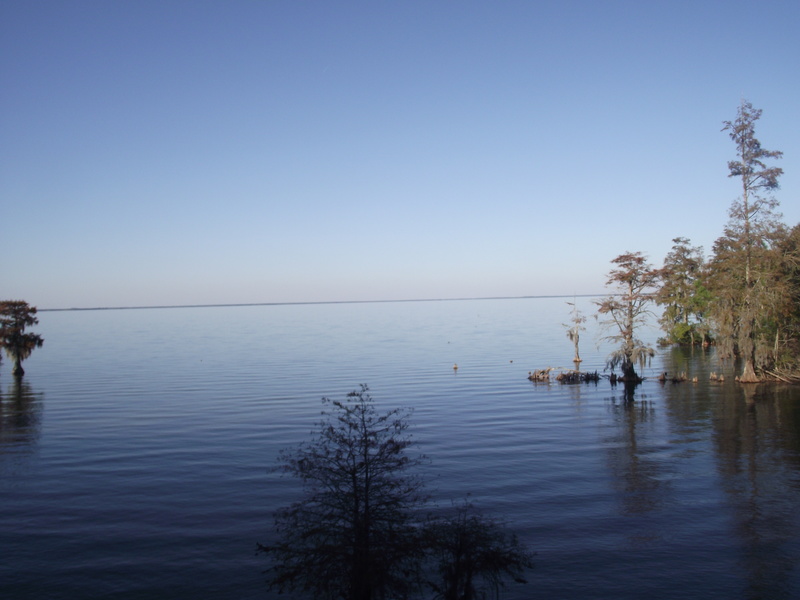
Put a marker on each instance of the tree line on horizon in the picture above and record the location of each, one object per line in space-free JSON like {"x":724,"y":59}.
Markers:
{"x":744,"y":298}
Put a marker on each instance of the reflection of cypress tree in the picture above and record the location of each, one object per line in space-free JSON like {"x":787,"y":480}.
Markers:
{"x":637,"y":478}
{"x":20,"y":419}
{"x":757,"y":446}
{"x":693,"y":365}
{"x":689,"y":404}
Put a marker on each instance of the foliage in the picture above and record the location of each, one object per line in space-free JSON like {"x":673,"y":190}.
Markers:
{"x":15,"y":316}
{"x":353,"y":536}
{"x":628,"y":310}
{"x":473,"y":554}
{"x":358,"y":532}
{"x":787,"y":336}
{"x":743,"y":269}
{"x":747,"y":295}
{"x":756,"y":177}
{"x":746,"y":318}
{"x":682,"y":294}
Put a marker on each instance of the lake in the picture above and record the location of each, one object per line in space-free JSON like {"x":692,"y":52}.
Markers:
{"x":135,"y":457}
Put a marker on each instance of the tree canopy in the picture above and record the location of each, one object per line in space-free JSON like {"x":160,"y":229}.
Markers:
{"x":683,"y":294}
{"x":574,"y":330}
{"x":359,"y":532}
{"x":352,"y":535}
{"x":634,"y":281}
{"x":742,"y":274}
{"x":15,"y":317}
{"x":745,"y":297}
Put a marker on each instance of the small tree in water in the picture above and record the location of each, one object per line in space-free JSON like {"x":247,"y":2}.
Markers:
{"x":574,"y":330}
{"x":15,"y":316}
{"x":353,"y":536}
{"x":627,"y":310}
{"x":358,"y":534}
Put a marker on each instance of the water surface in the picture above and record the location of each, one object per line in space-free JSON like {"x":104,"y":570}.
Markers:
{"x":134,"y":458}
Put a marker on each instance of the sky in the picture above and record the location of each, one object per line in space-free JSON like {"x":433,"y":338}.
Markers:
{"x":210,"y":152}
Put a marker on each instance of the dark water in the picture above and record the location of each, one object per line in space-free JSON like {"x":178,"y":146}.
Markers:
{"x":134,"y":459}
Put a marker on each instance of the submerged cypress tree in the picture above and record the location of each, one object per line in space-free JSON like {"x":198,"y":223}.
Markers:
{"x":627,"y":310}
{"x":15,"y":317}
{"x":742,"y":268}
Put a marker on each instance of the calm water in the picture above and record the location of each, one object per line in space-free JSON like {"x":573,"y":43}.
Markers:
{"x":134,"y":459}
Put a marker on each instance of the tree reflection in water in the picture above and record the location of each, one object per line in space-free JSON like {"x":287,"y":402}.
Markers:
{"x":755,"y":448}
{"x":20,"y":424}
{"x":757,"y":454}
{"x":638,"y":470}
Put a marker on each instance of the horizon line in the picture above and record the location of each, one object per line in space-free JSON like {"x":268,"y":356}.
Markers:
{"x":224,"y":305}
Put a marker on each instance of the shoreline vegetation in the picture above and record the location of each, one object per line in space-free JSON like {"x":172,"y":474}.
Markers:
{"x":744,"y":299}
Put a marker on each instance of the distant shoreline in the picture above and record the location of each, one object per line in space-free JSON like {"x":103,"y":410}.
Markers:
{"x":316,"y":302}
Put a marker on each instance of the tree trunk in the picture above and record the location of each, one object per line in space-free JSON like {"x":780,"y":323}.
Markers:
{"x":17,"y":371}
{"x":629,"y":374}
{"x":749,"y":373}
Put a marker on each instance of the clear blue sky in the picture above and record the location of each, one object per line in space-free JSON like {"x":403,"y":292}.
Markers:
{"x":233,"y":152}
